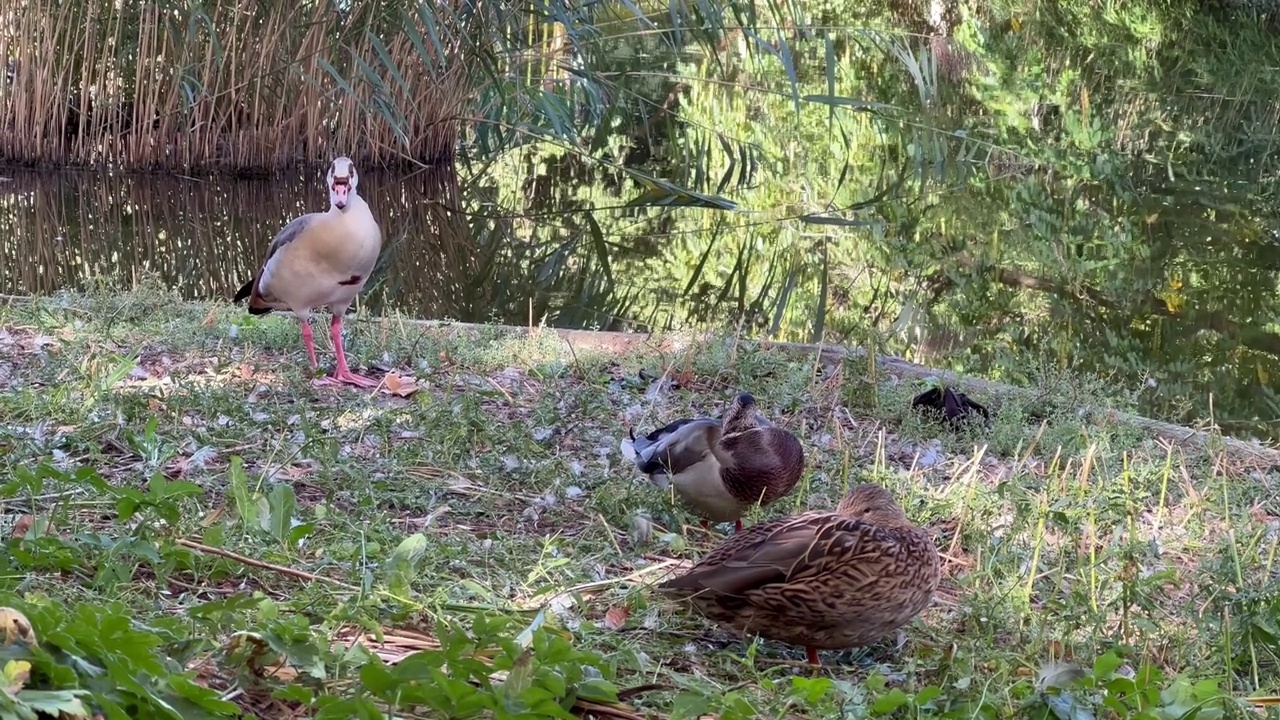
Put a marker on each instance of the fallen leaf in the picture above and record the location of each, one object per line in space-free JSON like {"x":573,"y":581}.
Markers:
{"x":178,"y":466}
{"x":213,"y":516}
{"x":396,"y":384}
{"x":155,"y":405}
{"x":15,"y":626}
{"x":283,"y":673}
{"x":615,"y":617}
{"x":287,"y":473}
{"x":211,"y":319}
{"x":15,"y":675}
{"x":1261,"y":516}
{"x":23,"y":526}
{"x":246,"y":371}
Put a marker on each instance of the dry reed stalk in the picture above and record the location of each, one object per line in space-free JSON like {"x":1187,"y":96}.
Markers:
{"x":234,"y":84}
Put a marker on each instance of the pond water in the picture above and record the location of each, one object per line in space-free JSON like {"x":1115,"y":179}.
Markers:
{"x":204,"y":237}
{"x":449,"y":252}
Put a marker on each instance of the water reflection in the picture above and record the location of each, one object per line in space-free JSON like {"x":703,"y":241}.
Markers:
{"x":444,"y":256}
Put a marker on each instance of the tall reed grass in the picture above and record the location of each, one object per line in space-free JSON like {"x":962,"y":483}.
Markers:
{"x":237,"y":85}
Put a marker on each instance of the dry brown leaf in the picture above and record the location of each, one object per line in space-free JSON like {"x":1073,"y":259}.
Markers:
{"x":23,"y":526}
{"x":1259,"y":515}
{"x":396,"y":384}
{"x":155,"y":405}
{"x":29,"y":524}
{"x":285,"y":673}
{"x":211,"y":319}
{"x":15,"y":626}
{"x":246,"y":371}
{"x":615,"y":617}
{"x":178,"y":466}
{"x":290,"y":472}
{"x":213,"y":516}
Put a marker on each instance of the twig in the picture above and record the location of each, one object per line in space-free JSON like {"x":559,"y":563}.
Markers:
{"x":600,"y":584}
{"x":608,"y":531}
{"x":300,"y":574}
{"x":499,"y":388}
{"x":627,"y":694}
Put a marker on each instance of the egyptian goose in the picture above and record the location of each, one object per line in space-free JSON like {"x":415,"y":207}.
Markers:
{"x":721,"y":468}
{"x":820,"y":579}
{"x":321,"y":260}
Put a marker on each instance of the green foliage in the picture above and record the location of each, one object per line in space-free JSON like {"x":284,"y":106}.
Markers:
{"x":1050,"y":184}
{"x":97,"y":653}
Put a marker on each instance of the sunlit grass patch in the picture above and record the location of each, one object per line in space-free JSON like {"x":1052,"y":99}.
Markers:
{"x":183,"y":498}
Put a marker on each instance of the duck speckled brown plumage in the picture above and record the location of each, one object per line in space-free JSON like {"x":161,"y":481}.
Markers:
{"x":721,"y":468}
{"x":824,"y":580}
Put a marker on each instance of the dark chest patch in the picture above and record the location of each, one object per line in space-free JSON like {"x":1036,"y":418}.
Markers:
{"x":350,"y":281}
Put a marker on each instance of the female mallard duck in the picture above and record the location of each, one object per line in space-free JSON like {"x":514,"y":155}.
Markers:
{"x":721,"y":468}
{"x":828,"y":580}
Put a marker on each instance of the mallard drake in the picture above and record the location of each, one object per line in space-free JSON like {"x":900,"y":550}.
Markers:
{"x":321,"y":260}
{"x":824,"y":580}
{"x":722,"y":467}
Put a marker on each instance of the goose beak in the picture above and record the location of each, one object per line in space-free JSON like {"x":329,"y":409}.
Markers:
{"x":338,"y":193}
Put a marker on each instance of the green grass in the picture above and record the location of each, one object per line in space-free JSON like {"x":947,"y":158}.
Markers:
{"x":492,"y":514}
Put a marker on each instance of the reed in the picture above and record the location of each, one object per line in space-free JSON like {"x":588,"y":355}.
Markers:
{"x":237,"y":85}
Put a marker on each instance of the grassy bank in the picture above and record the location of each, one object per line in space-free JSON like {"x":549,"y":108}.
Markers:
{"x":187,"y":516}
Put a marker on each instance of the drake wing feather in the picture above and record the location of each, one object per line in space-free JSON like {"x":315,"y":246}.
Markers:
{"x":681,"y":448}
{"x":645,"y":441}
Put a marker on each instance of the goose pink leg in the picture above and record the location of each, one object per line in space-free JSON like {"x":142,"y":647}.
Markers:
{"x":310,"y":342}
{"x":343,"y":374}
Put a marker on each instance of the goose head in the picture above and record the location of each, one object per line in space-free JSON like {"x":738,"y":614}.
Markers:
{"x":341,"y":181}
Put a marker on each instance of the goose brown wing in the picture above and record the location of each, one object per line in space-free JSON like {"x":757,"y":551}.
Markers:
{"x":257,"y":289}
